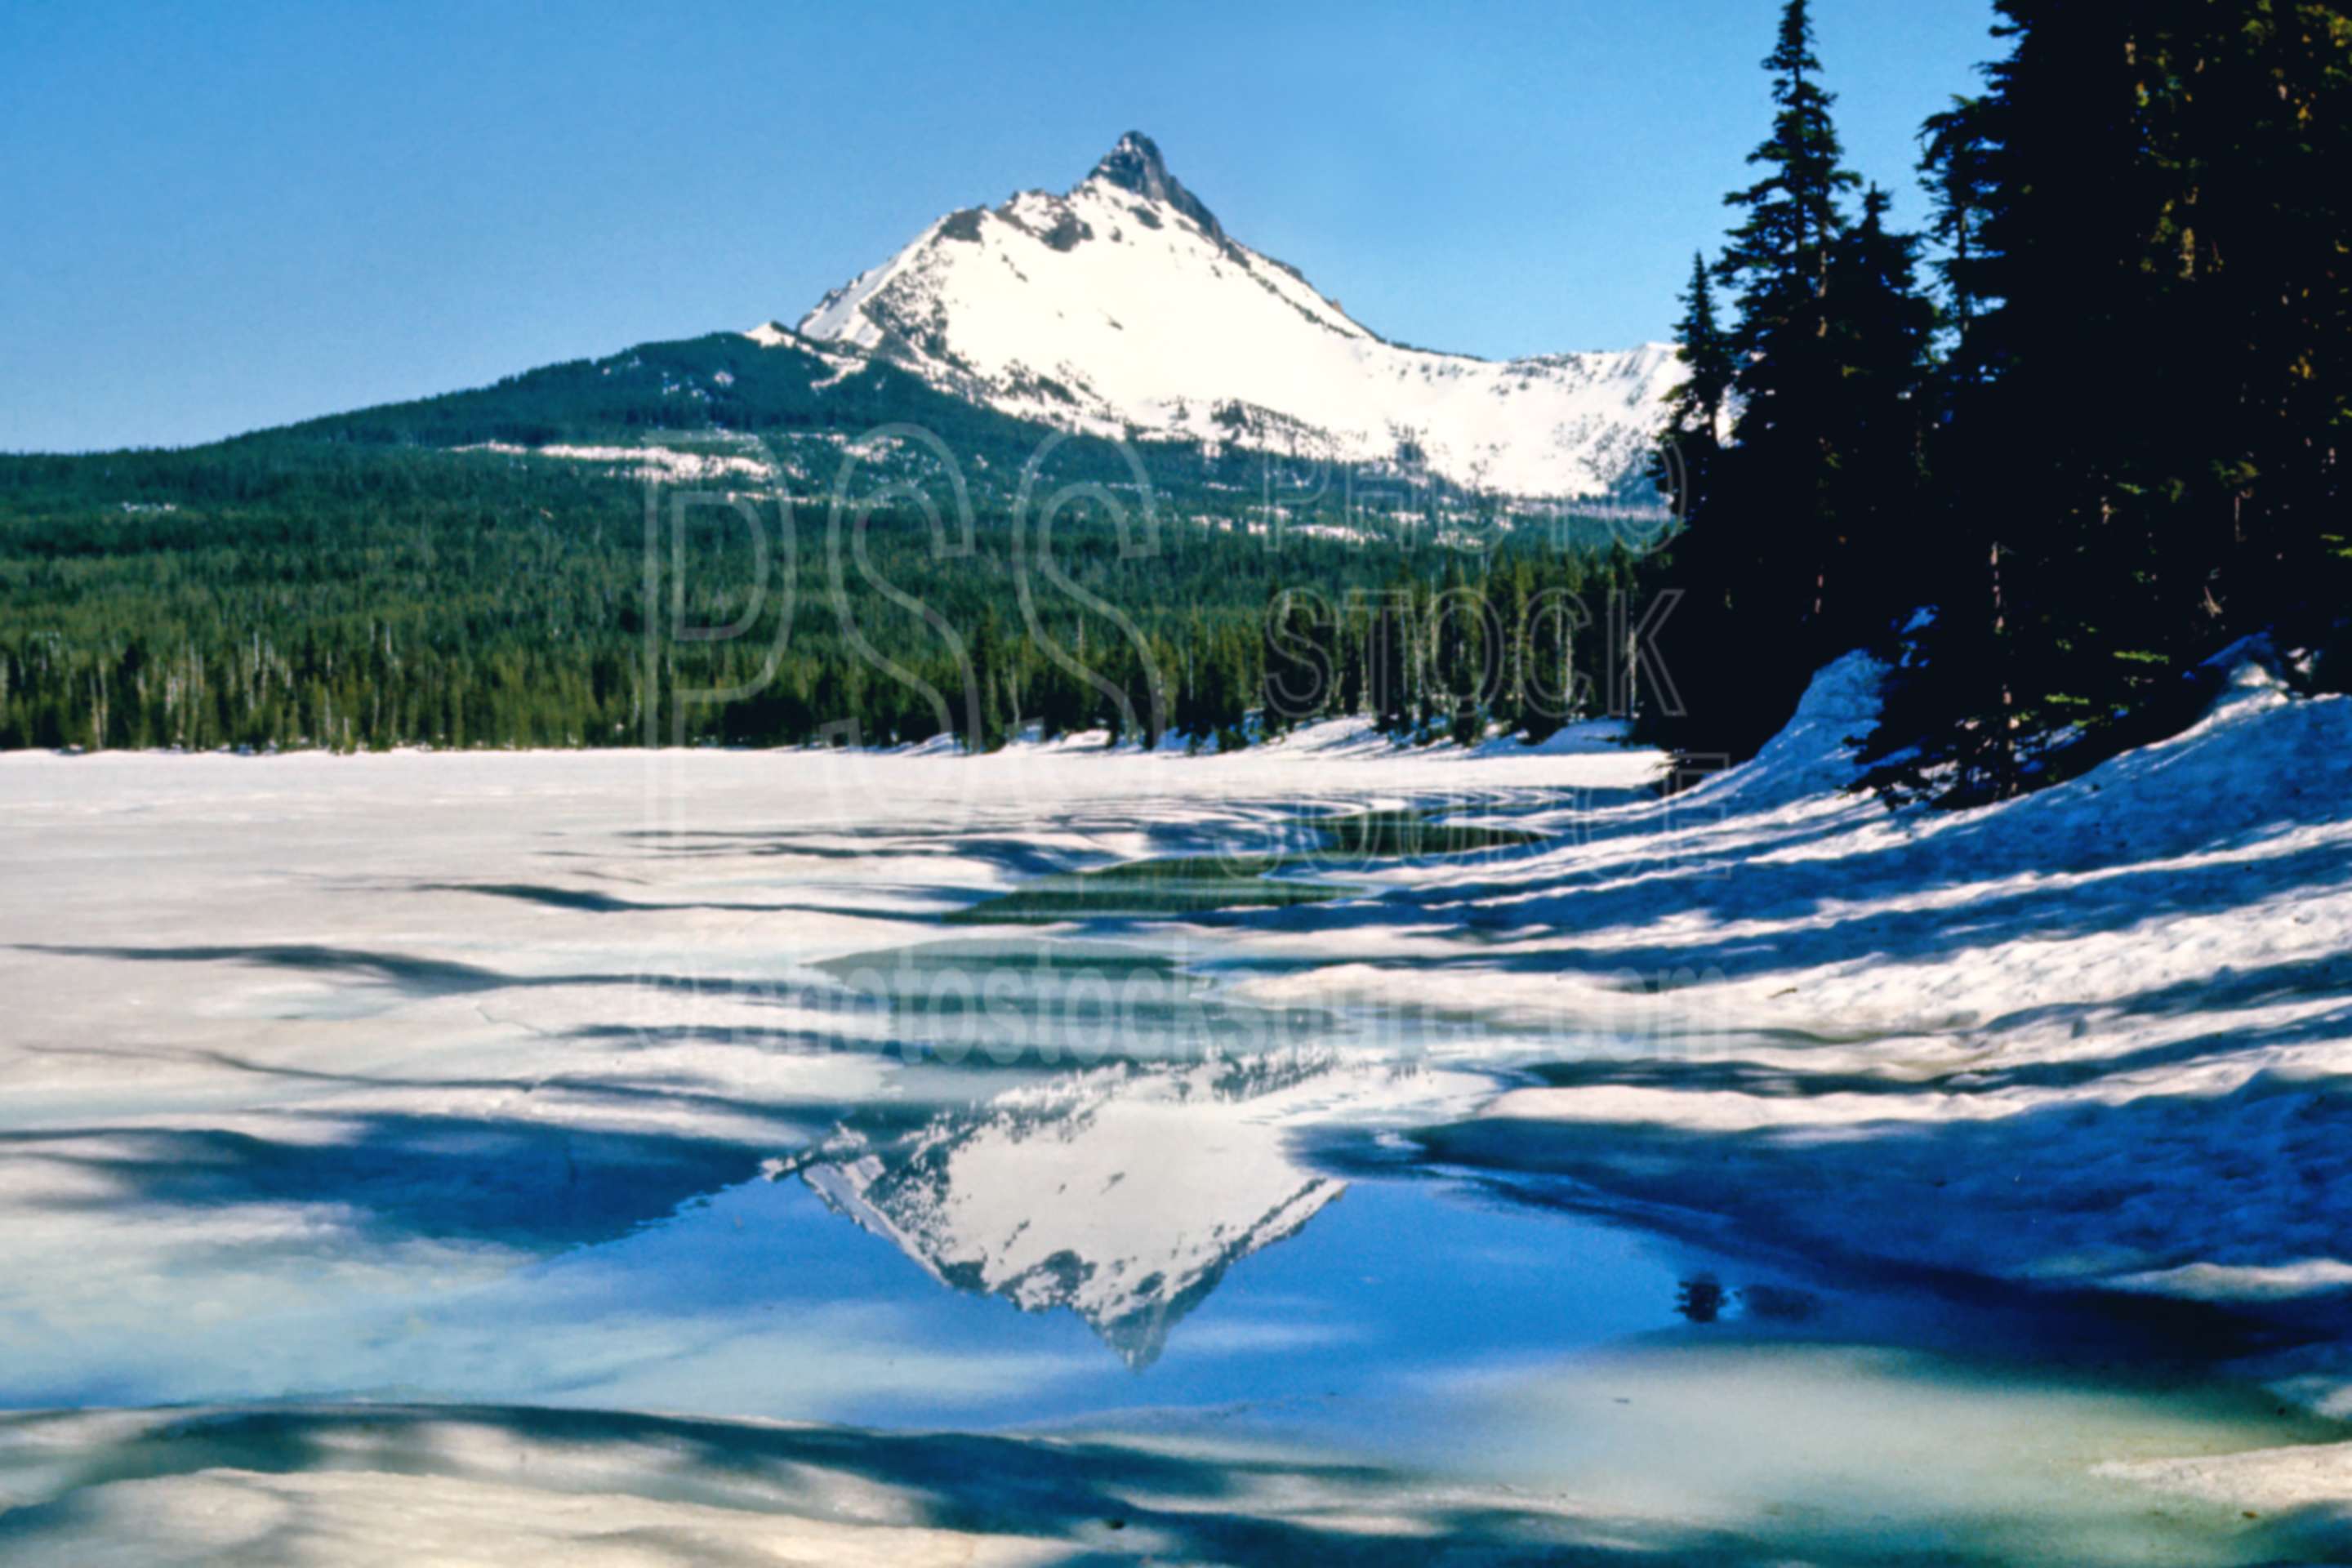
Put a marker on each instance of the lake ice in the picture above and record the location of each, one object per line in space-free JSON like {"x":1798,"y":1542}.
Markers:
{"x":1752,"y":1175}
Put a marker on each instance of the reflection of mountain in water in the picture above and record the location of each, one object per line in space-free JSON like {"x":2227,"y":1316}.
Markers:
{"x":1123,"y":1192}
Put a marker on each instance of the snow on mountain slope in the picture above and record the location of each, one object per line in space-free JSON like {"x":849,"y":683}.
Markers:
{"x":1125,"y":305}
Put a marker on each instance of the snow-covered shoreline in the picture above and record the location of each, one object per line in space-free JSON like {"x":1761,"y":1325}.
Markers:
{"x":2147,"y":967}
{"x":2095,"y":1038}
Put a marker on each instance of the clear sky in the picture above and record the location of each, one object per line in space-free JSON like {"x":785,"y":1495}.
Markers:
{"x":227,"y":216}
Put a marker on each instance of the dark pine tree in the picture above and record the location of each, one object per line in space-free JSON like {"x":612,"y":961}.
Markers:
{"x":1694,"y":407}
{"x":2150,"y":395}
{"x":1759,"y":552}
{"x":1882,"y":330}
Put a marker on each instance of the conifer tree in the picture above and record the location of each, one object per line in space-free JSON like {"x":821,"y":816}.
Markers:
{"x":1955,"y":167}
{"x":2149,"y":392}
{"x":1696,"y":404}
{"x":1882,"y":331}
{"x":1763,"y":559}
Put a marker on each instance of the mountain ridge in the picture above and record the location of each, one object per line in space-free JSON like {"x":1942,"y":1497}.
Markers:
{"x":1203,"y":356}
{"x":1122,"y":307}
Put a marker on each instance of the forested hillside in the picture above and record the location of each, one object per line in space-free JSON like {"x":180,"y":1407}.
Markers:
{"x":2046,"y":459}
{"x":2053,"y":456}
{"x":343,"y":585}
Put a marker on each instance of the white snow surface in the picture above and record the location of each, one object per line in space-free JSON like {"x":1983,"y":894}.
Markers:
{"x":2093,"y":1035}
{"x":2097,"y":1035}
{"x":393,"y":1486}
{"x":1112,"y":311}
{"x":665,"y":463}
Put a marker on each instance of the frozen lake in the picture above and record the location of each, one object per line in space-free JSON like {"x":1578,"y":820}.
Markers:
{"x":1046,"y":1095}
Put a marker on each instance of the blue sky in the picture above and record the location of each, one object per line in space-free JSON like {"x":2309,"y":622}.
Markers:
{"x":225,"y":216}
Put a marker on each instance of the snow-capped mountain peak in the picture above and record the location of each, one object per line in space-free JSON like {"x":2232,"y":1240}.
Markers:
{"x":1123,"y":306}
{"x":1135,"y":165}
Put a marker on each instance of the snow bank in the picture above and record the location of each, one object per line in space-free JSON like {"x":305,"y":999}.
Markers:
{"x":2096,"y":1036}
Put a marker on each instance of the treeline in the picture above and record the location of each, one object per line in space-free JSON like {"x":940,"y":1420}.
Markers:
{"x":2096,"y":441}
{"x":360,"y":595}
